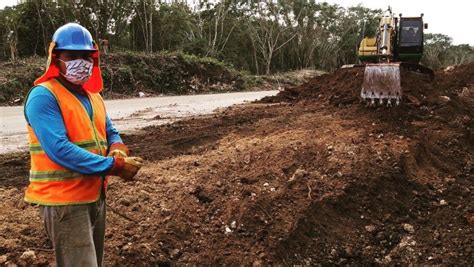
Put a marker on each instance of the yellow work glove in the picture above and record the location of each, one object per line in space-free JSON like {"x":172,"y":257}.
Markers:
{"x":126,"y":168}
{"x":118,"y":150}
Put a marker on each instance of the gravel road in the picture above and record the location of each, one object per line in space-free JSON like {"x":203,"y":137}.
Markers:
{"x":131,"y":114}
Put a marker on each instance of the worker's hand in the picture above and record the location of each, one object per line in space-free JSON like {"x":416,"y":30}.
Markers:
{"x":131,"y":167}
{"x":118,"y":150}
{"x":127,"y":167}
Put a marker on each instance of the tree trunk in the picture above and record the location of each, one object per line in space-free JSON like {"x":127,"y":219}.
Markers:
{"x":45,"y":44}
{"x":255,"y":55}
{"x":151,"y":25}
{"x":268,"y":62}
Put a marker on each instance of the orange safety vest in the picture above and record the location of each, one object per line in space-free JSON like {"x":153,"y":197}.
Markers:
{"x":51,"y":183}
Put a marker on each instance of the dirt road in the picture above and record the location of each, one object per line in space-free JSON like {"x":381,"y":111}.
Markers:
{"x":131,"y":114}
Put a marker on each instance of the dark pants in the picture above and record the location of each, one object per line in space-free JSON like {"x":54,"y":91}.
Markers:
{"x":77,"y":233}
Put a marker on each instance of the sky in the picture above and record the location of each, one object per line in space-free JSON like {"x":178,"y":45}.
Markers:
{"x":453,"y":18}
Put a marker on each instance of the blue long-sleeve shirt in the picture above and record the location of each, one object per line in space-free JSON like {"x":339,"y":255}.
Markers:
{"x":42,"y":112}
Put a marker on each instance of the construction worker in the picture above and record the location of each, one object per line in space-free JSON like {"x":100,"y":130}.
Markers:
{"x":73,"y":148}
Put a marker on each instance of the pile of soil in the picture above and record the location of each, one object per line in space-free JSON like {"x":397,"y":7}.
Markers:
{"x":310,"y":176}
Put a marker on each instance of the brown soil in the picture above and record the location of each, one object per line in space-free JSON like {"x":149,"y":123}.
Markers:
{"x":309,"y":176}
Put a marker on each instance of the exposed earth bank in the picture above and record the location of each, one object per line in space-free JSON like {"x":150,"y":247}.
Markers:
{"x":308,"y":176}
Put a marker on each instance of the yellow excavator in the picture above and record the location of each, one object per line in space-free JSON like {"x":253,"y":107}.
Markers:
{"x":397,"y":44}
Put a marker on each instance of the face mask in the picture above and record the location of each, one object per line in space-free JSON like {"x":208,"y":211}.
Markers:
{"x":78,"y":71}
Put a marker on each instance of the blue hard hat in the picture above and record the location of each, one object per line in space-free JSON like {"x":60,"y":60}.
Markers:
{"x":73,"y":36}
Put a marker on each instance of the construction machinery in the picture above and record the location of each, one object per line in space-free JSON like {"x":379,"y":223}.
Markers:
{"x":397,"y":44}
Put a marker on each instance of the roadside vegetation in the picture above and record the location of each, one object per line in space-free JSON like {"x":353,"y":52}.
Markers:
{"x":132,"y":74}
{"x":260,"y":37}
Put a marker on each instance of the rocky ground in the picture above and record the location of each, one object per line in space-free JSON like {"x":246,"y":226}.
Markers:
{"x":310,"y":176}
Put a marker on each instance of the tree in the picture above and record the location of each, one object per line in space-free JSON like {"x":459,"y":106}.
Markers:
{"x":175,"y":27}
{"x":435,"y":49}
{"x":268,"y":29}
{"x":459,"y":54}
{"x":142,"y":24}
{"x":302,"y":48}
{"x":355,"y":23}
{"x":257,"y":36}
{"x":11,"y":29}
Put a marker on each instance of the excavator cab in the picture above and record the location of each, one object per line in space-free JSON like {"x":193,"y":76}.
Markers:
{"x":410,"y":39}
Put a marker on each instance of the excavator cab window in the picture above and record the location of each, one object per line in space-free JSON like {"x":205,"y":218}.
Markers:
{"x":411,"y":32}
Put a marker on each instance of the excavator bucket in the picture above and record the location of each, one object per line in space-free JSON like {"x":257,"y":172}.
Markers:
{"x":382,"y":83}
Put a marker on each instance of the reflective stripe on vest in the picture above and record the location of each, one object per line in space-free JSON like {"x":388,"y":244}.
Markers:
{"x":88,"y":145}
{"x":51,"y":183}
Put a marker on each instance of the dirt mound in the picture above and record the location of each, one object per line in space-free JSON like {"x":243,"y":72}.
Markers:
{"x":308,"y":177}
{"x":343,"y":86}
{"x":449,"y":97}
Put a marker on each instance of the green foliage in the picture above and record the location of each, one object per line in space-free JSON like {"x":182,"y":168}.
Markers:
{"x":439,"y":52}
{"x":261,"y":37}
{"x":166,"y":73}
{"x":174,"y":24}
{"x":130,"y":72}
{"x":16,"y":78}
{"x":459,"y":54}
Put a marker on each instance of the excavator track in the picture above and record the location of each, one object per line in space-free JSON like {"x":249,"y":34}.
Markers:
{"x":417,"y":68}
